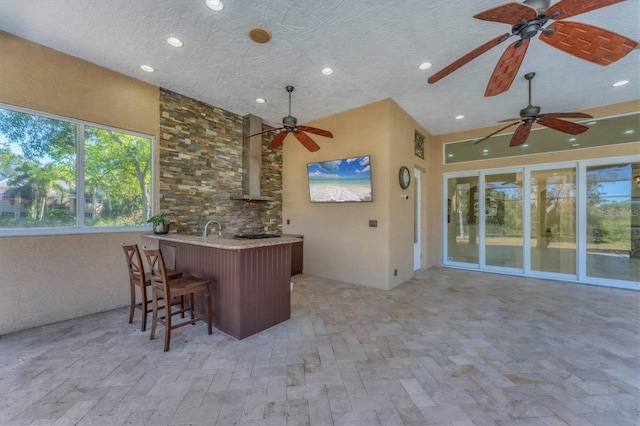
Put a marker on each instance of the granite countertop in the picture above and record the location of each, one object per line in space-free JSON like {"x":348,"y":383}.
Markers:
{"x":224,"y":243}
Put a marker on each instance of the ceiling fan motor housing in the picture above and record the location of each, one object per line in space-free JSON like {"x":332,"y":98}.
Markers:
{"x":289,"y":122}
{"x":530,"y":111}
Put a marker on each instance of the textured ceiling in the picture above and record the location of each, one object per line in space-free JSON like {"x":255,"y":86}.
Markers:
{"x":374,"y":47}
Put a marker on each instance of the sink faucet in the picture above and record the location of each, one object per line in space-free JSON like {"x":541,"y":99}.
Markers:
{"x":204,"y":234}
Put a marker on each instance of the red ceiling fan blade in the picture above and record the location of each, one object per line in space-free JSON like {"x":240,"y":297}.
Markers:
{"x":316,"y":131}
{"x":277,"y":140}
{"x":507,"y":67}
{"x":568,"y":8}
{"x":467,"y":58}
{"x":521,"y":134}
{"x":496,"y":132}
{"x":306,"y":141}
{"x":563,"y":125}
{"x":264,"y":131}
{"x":565,"y":115}
{"x":587,"y":42}
{"x":508,"y":13}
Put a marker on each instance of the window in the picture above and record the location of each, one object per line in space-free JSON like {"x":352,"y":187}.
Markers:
{"x":47,"y":161}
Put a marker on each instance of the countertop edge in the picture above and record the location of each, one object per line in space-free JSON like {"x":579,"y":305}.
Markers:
{"x":224,"y":243}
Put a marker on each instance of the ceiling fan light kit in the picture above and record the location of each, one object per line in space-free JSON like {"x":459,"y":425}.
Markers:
{"x":527,"y":19}
{"x":290,"y":125}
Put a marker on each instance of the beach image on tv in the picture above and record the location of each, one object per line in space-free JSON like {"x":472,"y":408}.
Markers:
{"x":340,"y":181}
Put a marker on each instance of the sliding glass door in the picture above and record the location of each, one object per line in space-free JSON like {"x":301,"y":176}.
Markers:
{"x":552,"y":239}
{"x":503,"y":220}
{"x":613,"y":221}
{"x":462,"y":219}
{"x":581,"y":221}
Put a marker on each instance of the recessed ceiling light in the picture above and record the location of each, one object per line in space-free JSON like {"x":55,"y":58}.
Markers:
{"x":628,"y":132}
{"x":215,"y":5}
{"x":575,"y":144}
{"x":485,"y":153}
{"x":327,"y":71}
{"x":261,"y":100}
{"x":592,"y":123}
{"x":450,"y":155}
{"x":424,"y":66}
{"x":620,"y":83}
{"x":525,"y":145}
{"x":485,"y":150}
{"x":146,"y":68}
{"x":175,"y":42}
{"x":572,"y":139}
{"x":459,"y":117}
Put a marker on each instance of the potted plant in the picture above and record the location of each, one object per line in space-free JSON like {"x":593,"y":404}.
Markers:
{"x":160,"y":223}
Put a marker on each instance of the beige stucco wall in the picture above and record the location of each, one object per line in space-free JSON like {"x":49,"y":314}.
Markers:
{"x":338,"y":242}
{"x":51,"y":278}
{"x":435,"y":191}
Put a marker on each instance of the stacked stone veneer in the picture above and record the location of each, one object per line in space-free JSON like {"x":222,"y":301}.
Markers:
{"x":201,"y":168}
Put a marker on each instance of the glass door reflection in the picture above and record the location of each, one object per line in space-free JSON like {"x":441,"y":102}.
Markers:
{"x":553,"y":221}
{"x":503,"y":220}
{"x":462,"y":219}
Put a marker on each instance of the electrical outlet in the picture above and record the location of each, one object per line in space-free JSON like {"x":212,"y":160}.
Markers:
{"x":288,"y":222}
{"x":395,"y":272}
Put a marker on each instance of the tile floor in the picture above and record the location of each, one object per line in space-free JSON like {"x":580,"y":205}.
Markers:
{"x":448,"y":347}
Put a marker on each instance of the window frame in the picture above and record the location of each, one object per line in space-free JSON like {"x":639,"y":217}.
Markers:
{"x":80,"y":227}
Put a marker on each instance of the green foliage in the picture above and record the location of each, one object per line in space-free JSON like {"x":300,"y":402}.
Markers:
{"x":159,"y":219}
{"x":37,"y":156}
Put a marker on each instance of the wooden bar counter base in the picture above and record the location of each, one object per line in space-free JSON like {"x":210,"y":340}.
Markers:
{"x":250,"y":278}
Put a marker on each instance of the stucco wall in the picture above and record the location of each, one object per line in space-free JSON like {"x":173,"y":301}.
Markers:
{"x":338,"y":242}
{"x":51,"y":278}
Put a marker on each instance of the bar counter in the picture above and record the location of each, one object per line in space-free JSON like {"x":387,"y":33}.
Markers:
{"x":250,"y":278}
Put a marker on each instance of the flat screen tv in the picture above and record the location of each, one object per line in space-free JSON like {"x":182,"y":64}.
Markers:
{"x":340,"y":181}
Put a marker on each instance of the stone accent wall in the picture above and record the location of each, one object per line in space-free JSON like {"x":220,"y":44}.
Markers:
{"x":201,"y":168}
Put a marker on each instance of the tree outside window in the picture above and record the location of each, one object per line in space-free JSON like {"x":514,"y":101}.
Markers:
{"x":39,"y":172}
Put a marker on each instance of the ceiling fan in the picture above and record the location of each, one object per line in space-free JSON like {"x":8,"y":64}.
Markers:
{"x":290,"y":125}
{"x":584,"y":41}
{"x":531,"y":114}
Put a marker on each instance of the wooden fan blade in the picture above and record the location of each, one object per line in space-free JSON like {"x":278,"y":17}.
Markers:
{"x":264,"y":131}
{"x":306,"y":141}
{"x":316,"y":131}
{"x":568,"y":8}
{"x":508,"y":13}
{"x":496,"y":132}
{"x":587,"y":42}
{"x":565,"y":115}
{"x":467,"y":58}
{"x":277,"y":141}
{"x":563,"y":125}
{"x":507,"y":67}
{"x":521,"y":134}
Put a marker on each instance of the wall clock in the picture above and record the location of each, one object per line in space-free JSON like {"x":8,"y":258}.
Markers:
{"x":405,"y":177}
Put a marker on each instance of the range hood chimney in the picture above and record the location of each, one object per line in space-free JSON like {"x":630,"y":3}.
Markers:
{"x":251,"y":160}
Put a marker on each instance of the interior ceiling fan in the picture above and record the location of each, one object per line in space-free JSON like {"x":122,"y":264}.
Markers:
{"x":531,"y":114}
{"x":587,"y":42}
{"x":290,"y":125}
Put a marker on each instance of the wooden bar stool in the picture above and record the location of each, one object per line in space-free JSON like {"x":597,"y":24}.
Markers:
{"x":162,"y":287}
{"x":141,"y":279}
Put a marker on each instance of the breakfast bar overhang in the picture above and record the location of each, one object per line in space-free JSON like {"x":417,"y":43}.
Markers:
{"x":250,"y":277}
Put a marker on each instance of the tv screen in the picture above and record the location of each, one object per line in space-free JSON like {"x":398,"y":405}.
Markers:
{"x":340,"y":181}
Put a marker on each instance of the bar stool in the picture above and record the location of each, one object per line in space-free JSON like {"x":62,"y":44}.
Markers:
{"x":141,"y":279}
{"x":162,"y":287}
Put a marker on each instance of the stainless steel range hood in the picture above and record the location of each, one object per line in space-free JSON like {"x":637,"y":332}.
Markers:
{"x":251,"y":160}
